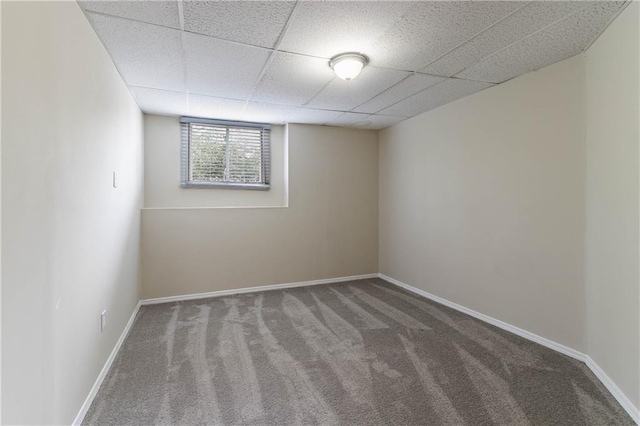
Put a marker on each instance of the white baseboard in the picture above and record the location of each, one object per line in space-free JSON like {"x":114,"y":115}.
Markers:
{"x":599,"y":373}
{"x":615,"y":390}
{"x":501,"y":324}
{"x":103,"y":373}
{"x":253,"y":289}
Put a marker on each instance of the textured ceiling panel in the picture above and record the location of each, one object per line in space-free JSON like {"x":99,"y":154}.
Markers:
{"x":210,"y":107}
{"x":566,"y":38}
{"x":267,"y":113}
{"x":435,"y":96}
{"x":379,"y":122}
{"x":266,"y":61}
{"x":146,"y":55}
{"x":163,"y":13}
{"x":325,"y":29}
{"x":164,"y":102}
{"x":312,"y":116}
{"x":407,"y":87}
{"x":258,"y":23}
{"x":348,"y":119}
{"x":222,"y":69}
{"x":292,"y":79}
{"x":432,"y":28}
{"x":524,"y":22}
{"x":342,"y":95}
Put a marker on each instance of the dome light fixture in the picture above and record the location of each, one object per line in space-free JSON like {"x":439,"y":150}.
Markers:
{"x":347,"y":66}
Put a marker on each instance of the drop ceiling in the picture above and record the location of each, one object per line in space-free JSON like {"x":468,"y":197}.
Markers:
{"x":267,"y":61}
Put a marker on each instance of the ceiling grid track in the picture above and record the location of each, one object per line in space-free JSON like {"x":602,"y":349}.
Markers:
{"x":183,"y":43}
{"x":141,"y":40}
{"x":478,"y":33}
{"x":519,"y":41}
{"x":613,"y":18}
{"x":266,"y":66}
{"x":413,"y":72}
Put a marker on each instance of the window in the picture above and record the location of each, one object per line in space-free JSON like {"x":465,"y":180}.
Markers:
{"x":224,"y":154}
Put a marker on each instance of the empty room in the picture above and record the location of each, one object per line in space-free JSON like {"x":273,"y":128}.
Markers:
{"x":320,"y":212}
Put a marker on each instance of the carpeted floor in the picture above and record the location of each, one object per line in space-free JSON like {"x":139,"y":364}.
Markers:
{"x":363,"y":352}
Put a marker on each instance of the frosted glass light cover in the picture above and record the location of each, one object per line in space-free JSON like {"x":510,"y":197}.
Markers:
{"x":348,"y":66}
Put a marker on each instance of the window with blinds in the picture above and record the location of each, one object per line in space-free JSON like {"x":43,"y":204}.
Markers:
{"x":225,"y":154}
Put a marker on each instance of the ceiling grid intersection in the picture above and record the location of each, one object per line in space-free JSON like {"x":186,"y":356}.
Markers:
{"x":268,"y":60}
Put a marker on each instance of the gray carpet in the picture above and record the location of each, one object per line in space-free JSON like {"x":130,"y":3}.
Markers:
{"x":363,"y":352}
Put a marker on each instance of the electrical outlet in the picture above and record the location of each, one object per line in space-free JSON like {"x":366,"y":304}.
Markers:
{"x":103,"y":320}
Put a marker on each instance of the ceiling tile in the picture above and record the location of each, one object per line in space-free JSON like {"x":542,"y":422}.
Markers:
{"x":217,"y":108}
{"x":347,"y":119}
{"x":222,"y":69}
{"x":163,"y":13}
{"x":146,"y":55}
{"x":213,"y":74}
{"x":292,"y":79}
{"x":378,"y":122}
{"x":326,"y":29}
{"x":411,"y":85}
{"x":154,"y":101}
{"x":258,"y":23}
{"x":312,"y":116}
{"x":430,"y":29}
{"x":280,"y":114}
{"x":342,"y":95}
{"x":267,"y":113}
{"x":524,"y":22}
{"x":440,"y":94}
{"x":564,"y":39}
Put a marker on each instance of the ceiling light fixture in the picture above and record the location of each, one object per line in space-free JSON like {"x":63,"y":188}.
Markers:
{"x":347,"y":66}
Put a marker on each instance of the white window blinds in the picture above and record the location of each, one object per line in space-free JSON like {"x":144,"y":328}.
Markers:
{"x":225,"y":154}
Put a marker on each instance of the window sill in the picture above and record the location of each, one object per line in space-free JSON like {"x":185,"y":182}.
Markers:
{"x":213,"y":185}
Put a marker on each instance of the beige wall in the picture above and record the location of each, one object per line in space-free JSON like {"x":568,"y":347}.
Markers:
{"x":612,"y":256}
{"x":482,"y":202}
{"x":69,"y":240}
{"x":521,"y":202}
{"x":330,"y":228}
{"x":162,"y":172}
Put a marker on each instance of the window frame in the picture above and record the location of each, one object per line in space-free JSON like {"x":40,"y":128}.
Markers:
{"x":185,"y":158}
